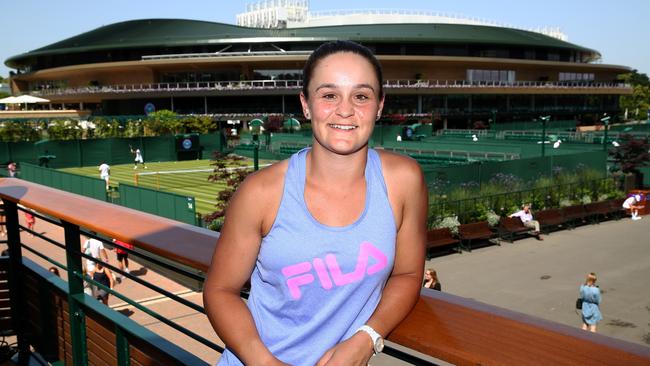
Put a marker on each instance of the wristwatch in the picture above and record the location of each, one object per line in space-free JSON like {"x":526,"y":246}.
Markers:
{"x":377,"y":339}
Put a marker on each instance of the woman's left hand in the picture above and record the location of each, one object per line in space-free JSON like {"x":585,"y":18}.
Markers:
{"x":355,"y":351}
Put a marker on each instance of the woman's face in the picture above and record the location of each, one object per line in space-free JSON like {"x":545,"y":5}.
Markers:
{"x":427,"y":275}
{"x":343,"y":103}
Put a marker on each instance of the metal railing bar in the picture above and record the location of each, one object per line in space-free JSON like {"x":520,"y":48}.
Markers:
{"x":41,"y":216}
{"x":154,"y":314}
{"x":147,"y":257}
{"x":41,"y":236}
{"x":403,"y":356}
{"x":146,"y":284}
{"x":43,"y":256}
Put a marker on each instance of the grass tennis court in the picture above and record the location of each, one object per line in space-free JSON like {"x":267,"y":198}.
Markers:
{"x":183,"y":177}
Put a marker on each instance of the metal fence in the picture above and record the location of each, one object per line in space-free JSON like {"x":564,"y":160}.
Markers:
{"x":503,"y":204}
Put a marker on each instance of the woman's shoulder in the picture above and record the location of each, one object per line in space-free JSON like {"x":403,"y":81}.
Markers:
{"x":266,"y":180}
{"x":395,"y":164}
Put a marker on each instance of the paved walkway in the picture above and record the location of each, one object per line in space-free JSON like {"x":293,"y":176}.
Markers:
{"x":542,"y":278}
{"x":538,"y":278}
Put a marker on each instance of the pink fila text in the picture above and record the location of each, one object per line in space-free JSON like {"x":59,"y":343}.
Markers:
{"x":298,"y":275}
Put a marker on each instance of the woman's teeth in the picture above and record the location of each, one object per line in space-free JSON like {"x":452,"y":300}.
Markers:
{"x":343,"y":127}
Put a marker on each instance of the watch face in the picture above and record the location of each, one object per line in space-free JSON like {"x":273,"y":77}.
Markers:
{"x":379,"y":345}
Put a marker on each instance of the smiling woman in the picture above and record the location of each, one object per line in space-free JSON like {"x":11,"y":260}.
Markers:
{"x":331,"y":239}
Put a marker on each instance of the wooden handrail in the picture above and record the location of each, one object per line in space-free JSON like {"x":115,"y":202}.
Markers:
{"x":467,"y":332}
{"x":442,"y":325}
{"x":186,"y":244}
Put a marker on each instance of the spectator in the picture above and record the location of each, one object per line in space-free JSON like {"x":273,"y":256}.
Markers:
{"x":95,"y":249}
{"x":11,"y":169}
{"x":630,"y":204}
{"x":104,"y":173}
{"x":122,"y":256}
{"x":103,"y":276}
{"x":30,"y":221}
{"x":526,"y":217}
{"x":590,"y":295}
{"x":431,"y":280}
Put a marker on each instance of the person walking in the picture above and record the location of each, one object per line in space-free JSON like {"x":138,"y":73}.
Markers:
{"x":590,"y":295}
{"x":122,"y":257}
{"x":104,"y":173}
{"x":103,"y":276}
{"x":95,"y":249}
{"x":526,"y":217}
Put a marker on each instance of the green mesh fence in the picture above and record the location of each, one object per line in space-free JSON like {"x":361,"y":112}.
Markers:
{"x":165,"y":204}
{"x":85,"y":186}
{"x":18,"y":151}
{"x":76,"y":153}
{"x":447,"y":178}
{"x":532,"y":125}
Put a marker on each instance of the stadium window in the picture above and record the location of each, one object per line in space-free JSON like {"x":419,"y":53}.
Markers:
{"x":490,"y":75}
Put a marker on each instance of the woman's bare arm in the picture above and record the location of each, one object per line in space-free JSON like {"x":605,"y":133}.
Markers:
{"x":232,"y":264}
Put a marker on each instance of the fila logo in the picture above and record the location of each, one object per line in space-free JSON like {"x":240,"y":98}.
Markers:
{"x":298,"y":275}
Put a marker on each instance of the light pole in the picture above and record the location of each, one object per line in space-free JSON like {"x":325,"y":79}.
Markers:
{"x":256,"y":126}
{"x":605,"y":120}
{"x":544,"y":120}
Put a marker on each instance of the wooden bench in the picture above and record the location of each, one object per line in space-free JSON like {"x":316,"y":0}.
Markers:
{"x":474,"y":231}
{"x":574,"y":215}
{"x":616,"y":208}
{"x":551,"y":218}
{"x":597,"y":210}
{"x":440,"y":237}
{"x":511,"y":226}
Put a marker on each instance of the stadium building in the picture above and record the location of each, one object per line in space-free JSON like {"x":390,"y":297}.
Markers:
{"x":451,"y":69}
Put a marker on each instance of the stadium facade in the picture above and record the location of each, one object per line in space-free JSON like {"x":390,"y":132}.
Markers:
{"x":457,"y":71}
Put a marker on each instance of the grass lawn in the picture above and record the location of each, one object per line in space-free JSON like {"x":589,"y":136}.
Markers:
{"x":193,"y":184}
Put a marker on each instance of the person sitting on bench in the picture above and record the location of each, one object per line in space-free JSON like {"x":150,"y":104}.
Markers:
{"x":630,"y":204}
{"x":526,"y":218}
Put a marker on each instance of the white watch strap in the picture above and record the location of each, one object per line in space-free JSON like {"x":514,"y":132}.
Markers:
{"x":373,"y":335}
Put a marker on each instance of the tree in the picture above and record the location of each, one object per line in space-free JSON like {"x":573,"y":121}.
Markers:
{"x":227,"y":169}
{"x":638,"y":102}
{"x":632,"y":155}
{"x":163,"y":122}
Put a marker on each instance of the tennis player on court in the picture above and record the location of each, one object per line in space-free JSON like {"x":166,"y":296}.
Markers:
{"x":332,"y":239}
{"x":138,"y":158}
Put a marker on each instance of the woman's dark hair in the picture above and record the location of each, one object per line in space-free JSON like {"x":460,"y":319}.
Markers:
{"x":333,"y":47}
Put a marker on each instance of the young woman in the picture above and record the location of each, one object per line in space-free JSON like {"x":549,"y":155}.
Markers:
{"x":431,"y":280}
{"x":332,"y":239}
{"x":590,"y":295}
{"x":104,"y":276}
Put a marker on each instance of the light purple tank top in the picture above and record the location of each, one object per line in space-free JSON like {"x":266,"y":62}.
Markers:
{"x":314,"y":285}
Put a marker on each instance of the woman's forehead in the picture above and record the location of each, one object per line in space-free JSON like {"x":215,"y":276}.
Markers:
{"x":347,"y":65}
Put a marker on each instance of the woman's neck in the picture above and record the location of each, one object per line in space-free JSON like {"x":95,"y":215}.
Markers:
{"x":330,"y":168}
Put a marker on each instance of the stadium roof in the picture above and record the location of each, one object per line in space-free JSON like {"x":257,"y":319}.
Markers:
{"x":182,"y":32}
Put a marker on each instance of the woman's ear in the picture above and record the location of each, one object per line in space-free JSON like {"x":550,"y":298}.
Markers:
{"x":305,"y":106}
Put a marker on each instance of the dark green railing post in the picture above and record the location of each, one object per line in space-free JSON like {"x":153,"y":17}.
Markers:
{"x":256,"y":152}
{"x":122,"y":347}
{"x":18,"y":301}
{"x":76,"y":289}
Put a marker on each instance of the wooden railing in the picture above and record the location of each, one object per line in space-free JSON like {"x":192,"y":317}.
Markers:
{"x":443,"y":326}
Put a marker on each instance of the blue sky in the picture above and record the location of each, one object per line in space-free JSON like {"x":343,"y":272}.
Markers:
{"x":618,"y":29}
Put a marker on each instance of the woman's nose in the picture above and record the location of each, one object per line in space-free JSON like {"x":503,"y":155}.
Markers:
{"x":345,"y":108}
